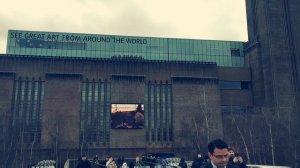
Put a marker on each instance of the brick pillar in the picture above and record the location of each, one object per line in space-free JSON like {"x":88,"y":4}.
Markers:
{"x":61,"y":117}
{"x":6,"y":95}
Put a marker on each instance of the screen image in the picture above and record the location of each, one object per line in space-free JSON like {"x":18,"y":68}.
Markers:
{"x":127,"y":116}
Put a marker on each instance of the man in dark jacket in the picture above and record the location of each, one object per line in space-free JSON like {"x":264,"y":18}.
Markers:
{"x":197,"y":162}
{"x":84,"y":162}
{"x":231,"y":155}
{"x":238,"y":162}
{"x":182,"y":163}
{"x":218,"y":155}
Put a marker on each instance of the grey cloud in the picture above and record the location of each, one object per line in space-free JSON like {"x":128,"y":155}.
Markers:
{"x":226,"y":27}
{"x":6,"y":23}
{"x":58,"y":23}
{"x":133,"y":20}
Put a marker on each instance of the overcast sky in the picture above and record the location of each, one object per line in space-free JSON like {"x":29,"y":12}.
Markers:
{"x":190,"y":19}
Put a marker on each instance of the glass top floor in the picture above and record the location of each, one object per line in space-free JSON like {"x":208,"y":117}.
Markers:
{"x":223,"y":53}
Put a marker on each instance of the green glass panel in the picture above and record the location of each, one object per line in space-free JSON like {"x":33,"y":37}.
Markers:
{"x":107,"y":46}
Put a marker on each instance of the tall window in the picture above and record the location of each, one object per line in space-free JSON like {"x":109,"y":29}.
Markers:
{"x":158,"y":119}
{"x":95,"y":112}
{"x":27,"y":107}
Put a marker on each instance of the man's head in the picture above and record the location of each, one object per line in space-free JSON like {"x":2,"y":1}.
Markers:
{"x":110,"y":158}
{"x":83,"y":157}
{"x":218,"y":153}
{"x":231,"y":152}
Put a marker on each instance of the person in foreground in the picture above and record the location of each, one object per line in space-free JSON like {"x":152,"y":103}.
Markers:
{"x":218,"y":155}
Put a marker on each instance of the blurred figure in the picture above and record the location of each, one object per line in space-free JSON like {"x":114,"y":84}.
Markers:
{"x":111,"y":163}
{"x":96,"y":161}
{"x":182,"y":163}
{"x":120,"y":161}
{"x":124,"y":165}
{"x":197,"y":162}
{"x":239,"y":162}
{"x":138,"y":162}
{"x":205,"y":159}
{"x":84,"y":162}
{"x":131,"y":165}
{"x":231,"y":155}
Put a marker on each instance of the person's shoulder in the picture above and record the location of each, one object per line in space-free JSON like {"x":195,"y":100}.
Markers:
{"x":230,"y":166}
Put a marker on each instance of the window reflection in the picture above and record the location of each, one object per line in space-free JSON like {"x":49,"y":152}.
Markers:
{"x":239,"y":85}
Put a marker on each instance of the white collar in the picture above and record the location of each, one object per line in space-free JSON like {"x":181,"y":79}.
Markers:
{"x":214,"y":166}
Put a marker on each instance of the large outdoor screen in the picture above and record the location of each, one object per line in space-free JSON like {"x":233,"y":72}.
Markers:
{"x":127,"y":116}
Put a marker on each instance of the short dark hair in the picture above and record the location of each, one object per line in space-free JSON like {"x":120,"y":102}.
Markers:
{"x":217,"y":143}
